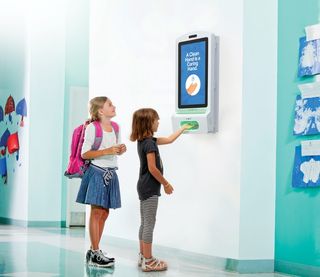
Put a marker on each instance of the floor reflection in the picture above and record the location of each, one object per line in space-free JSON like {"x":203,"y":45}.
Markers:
{"x":60,"y":252}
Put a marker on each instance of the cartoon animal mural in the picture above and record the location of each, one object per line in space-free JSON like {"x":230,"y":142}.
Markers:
{"x":9,"y":141}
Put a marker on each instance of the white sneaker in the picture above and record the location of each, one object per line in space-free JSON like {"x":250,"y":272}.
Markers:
{"x":99,"y":260}
{"x":105,"y":254}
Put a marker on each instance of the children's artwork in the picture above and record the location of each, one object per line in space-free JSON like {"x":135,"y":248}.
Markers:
{"x":310,"y":90}
{"x":9,"y":139}
{"x":307,"y":116}
{"x":3,"y":169}
{"x":309,"y":57}
{"x":10,"y":107}
{"x":1,"y":114}
{"x":306,"y":170}
{"x":22,"y":110}
{"x":3,"y":141}
{"x":13,"y":143}
{"x":312,"y":32}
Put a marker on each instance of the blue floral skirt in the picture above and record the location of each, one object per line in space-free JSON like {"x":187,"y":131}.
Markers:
{"x":100,"y":187}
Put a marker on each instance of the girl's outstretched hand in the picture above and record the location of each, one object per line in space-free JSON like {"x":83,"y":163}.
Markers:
{"x":168,"y":189}
{"x":186,"y":126}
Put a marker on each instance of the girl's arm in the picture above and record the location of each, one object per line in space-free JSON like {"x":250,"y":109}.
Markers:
{"x":92,"y":154}
{"x":173,"y":137}
{"x":155,"y":172}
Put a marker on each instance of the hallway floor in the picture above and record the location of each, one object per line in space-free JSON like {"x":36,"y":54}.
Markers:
{"x":41,"y":252}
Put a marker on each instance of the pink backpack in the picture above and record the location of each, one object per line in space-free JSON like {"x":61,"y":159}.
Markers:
{"x":77,"y":166}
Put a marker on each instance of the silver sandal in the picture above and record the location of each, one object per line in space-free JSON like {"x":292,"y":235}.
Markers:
{"x":153,"y":264}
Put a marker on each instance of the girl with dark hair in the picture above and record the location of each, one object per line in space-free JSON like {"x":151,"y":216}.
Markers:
{"x":145,"y":123}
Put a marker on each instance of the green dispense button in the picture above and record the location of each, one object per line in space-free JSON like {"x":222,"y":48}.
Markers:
{"x":194,"y":124}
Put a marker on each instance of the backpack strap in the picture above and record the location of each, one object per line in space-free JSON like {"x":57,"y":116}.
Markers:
{"x":115,"y":127}
{"x":98,"y":136}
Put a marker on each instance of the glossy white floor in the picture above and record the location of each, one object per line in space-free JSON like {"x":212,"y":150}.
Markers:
{"x":42,"y":252}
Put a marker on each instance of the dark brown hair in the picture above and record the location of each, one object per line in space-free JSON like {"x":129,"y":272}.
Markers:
{"x":95,"y":104}
{"x":142,"y":122}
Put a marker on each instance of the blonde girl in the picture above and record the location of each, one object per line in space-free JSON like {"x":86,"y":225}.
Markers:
{"x":100,"y":185}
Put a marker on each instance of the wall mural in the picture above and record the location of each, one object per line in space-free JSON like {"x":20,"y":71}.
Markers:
{"x":9,"y":142}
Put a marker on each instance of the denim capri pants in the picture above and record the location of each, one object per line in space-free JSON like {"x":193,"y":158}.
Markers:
{"x":95,"y":191}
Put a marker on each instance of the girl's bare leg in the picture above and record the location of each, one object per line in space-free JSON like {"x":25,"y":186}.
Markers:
{"x":94,"y":226}
{"x":147,"y":250}
{"x":141,"y":246}
{"x":103,"y":218}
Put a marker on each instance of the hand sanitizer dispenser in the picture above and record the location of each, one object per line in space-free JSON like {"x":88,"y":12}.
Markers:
{"x":197,"y":64}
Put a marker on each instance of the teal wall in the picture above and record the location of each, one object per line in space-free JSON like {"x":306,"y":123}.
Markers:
{"x":47,"y":78}
{"x":297,"y":242}
{"x":77,"y":71}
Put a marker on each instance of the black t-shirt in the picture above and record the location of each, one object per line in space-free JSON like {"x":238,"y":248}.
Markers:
{"x":147,"y":185}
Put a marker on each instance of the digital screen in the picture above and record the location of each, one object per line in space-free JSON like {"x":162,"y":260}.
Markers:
{"x":193,"y":73}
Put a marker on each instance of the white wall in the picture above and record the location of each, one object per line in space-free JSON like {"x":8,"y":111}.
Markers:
{"x":132,"y":60}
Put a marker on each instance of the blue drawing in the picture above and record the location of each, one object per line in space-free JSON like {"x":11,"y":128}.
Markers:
{"x":306,"y":170}
{"x":3,"y":169}
{"x":309,"y":57}
{"x":1,"y":114}
{"x":307,"y":116}
{"x":4,"y":138}
{"x":21,"y":109}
